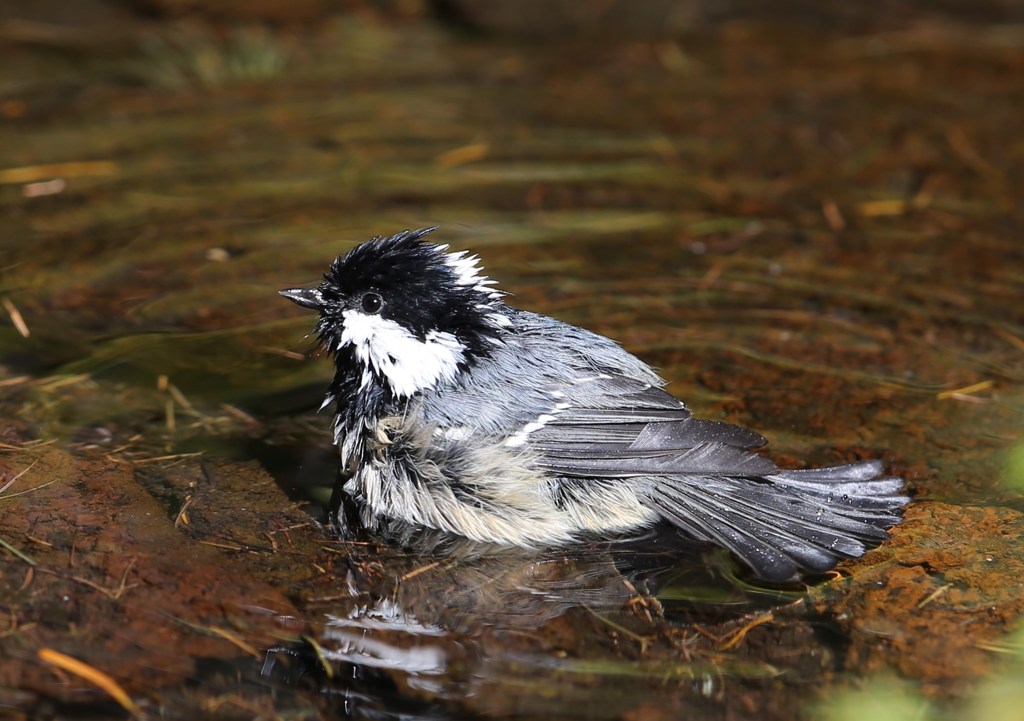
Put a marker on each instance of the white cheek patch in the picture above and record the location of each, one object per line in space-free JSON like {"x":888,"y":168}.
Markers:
{"x":409,"y":364}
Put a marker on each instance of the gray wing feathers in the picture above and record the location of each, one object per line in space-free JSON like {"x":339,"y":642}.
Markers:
{"x":538,"y":372}
{"x":704,"y":459}
{"x":651,"y":429}
{"x":693,"y":432}
{"x":586,"y":409}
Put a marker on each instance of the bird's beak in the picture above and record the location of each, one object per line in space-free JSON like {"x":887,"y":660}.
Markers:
{"x":306,"y":297}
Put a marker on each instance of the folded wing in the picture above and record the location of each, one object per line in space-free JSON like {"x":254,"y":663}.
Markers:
{"x":703,"y":477}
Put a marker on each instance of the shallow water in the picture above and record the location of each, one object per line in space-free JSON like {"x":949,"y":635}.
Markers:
{"x":813,"y":235}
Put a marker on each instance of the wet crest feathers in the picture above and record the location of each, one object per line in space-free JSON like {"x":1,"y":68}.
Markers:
{"x":412,"y":313}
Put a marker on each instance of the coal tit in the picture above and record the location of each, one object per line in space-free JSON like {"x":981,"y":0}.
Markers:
{"x":457,"y":412}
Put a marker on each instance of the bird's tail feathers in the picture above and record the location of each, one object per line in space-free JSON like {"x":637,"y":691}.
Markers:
{"x":788,"y":522}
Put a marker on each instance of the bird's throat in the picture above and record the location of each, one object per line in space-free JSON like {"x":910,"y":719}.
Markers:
{"x":360,"y":398}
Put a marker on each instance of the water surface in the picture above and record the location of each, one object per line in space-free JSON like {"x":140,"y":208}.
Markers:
{"x":813,"y":235}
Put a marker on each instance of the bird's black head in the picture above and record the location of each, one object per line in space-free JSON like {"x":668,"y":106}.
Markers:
{"x":409,"y":314}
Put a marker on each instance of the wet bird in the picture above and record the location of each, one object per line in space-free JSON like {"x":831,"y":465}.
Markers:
{"x":458,"y":412}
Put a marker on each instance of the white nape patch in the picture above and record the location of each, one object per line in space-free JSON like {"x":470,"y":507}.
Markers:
{"x":467,"y":272}
{"x":409,"y":364}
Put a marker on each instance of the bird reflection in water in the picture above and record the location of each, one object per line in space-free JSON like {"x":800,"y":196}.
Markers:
{"x":448,"y":619}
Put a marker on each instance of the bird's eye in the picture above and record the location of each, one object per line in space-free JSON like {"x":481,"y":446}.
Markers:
{"x":372,"y":303}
